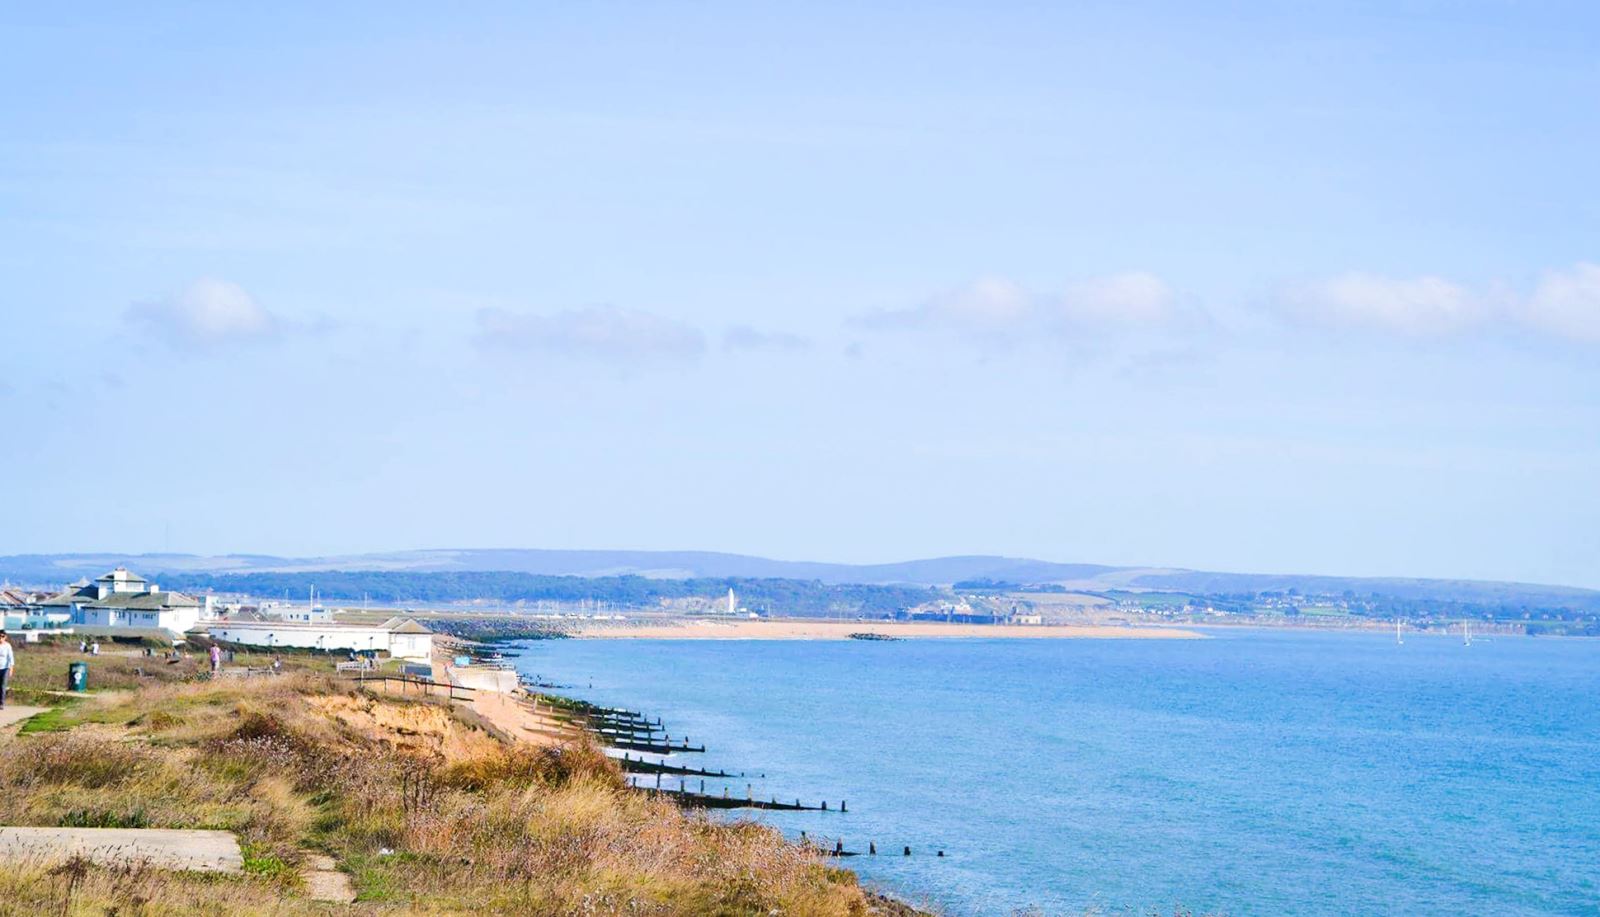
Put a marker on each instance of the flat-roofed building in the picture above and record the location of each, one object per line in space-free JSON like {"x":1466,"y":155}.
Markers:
{"x":400,"y":637}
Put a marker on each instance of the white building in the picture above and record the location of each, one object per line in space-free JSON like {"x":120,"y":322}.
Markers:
{"x":20,"y":610}
{"x":124,"y":600}
{"x":304,"y":614}
{"x":402,"y":638}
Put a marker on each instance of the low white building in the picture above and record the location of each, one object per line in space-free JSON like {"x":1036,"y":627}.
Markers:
{"x":124,"y":600}
{"x":402,"y":638}
{"x":304,"y":614}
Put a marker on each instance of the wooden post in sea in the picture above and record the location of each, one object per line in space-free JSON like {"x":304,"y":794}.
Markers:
{"x":872,"y":848}
{"x":907,"y":853}
{"x":702,"y":788}
{"x":838,"y":848}
{"x":658,"y":780}
{"x":824,"y":805}
{"x":842,"y":807}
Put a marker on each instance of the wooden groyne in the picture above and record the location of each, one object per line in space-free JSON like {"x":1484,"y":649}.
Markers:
{"x":687,"y":798}
{"x":634,"y":765}
{"x":655,"y":748}
{"x":631,"y":731}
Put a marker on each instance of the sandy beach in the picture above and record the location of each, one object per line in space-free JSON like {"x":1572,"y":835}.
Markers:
{"x":702,"y":629}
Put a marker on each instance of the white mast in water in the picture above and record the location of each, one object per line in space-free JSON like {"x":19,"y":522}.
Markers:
{"x":1466,"y":633}
{"x":1399,"y":640}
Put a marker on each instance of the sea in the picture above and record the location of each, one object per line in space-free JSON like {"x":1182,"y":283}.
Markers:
{"x":1272,"y":772}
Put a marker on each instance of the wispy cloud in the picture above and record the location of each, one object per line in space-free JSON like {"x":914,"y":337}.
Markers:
{"x":1127,"y":298}
{"x":746,"y":338}
{"x":207,"y":313}
{"x":998,"y":309}
{"x":596,"y":332}
{"x":1566,"y":303}
{"x":1419,"y":306}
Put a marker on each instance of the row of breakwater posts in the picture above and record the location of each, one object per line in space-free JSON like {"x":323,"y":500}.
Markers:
{"x":703,"y":800}
{"x":630,"y":731}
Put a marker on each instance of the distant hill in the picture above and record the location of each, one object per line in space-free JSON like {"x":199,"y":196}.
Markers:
{"x":55,"y":569}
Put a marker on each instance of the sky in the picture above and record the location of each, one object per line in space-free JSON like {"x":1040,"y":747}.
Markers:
{"x":1266,"y":287}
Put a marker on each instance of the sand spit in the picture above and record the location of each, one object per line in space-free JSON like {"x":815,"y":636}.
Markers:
{"x":711,"y":629}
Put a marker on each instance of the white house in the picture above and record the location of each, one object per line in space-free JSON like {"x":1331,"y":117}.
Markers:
{"x":402,"y":638}
{"x":121,"y":599}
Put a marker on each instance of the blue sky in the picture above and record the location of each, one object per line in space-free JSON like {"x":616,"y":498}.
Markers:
{"x":1267,"y":287}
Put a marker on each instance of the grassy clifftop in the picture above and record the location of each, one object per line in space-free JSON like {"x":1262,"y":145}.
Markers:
{"x":426,"y":811}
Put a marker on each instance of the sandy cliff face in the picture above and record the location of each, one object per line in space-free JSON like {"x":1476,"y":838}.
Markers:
{"x":422,"y":728}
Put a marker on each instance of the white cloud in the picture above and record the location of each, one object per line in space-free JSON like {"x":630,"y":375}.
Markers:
{"x":988,"y":306}
{"x":990,"y":303}
{"x":994,"y":308}
{"x":1566,"y":303}
{"x":744,"y":337}
{"x":596,"y":332}
{"x":208,"y":312}
{"x":1128,"y":298}
{"x":1418,"y":306}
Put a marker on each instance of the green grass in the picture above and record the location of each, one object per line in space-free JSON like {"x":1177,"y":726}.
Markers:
{"x":54,"y":719}
{"x":264,"y":863}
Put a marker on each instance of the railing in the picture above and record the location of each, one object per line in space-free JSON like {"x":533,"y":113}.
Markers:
{"x":411,"y":683}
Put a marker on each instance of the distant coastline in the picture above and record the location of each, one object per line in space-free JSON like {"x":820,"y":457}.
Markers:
{"x":801,"y":629}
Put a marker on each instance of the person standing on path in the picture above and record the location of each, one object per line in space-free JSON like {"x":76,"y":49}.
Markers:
{"x":216,"y":660}
{"x":8,"y":662}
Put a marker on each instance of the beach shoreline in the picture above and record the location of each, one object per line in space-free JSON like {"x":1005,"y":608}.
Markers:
{"x":801,"y":629}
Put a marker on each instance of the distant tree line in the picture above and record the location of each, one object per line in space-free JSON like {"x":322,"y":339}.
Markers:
{"x":770,"y":596}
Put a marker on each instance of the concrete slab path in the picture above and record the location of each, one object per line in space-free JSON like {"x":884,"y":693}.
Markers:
{"x":324,"y":881}
{"x":16,"y":713}
{"x":163,"y":848}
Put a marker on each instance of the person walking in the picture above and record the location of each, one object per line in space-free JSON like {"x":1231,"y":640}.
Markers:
{"x":216,"y":660}
{"x":8,"y":664}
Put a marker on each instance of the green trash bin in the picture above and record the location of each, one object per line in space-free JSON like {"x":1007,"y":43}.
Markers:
{"x":78,"y":676}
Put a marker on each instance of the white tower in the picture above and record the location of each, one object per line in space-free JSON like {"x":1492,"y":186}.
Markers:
{"x":733,"y":606}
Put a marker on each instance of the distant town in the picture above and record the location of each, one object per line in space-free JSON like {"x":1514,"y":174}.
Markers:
{"x":373,"y":611}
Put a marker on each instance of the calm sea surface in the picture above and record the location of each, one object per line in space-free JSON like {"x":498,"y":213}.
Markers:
{"x":1250,"y":773}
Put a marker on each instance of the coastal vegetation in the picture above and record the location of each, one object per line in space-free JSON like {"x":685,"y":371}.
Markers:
{"x":425,"y":808}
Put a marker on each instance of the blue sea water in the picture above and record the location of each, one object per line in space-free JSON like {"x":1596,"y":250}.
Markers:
{"x":1255,"y":772}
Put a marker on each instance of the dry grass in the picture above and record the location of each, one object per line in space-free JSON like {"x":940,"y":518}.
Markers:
{"x":424,"y":823}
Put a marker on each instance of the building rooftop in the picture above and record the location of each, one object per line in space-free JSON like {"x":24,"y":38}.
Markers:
{"x":69,"y":597}
{"x":144,"y":601}
{"x":14,"y":598}
{"x":408,"y":626}
{"x":393,"y":625}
